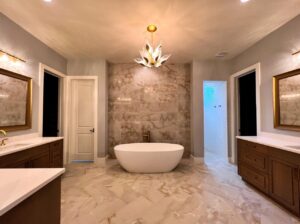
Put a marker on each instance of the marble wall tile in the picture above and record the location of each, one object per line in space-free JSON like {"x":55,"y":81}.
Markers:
{"x":142,"y":99}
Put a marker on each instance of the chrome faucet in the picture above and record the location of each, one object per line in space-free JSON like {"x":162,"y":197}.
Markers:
{"x":146,"y":136}
{"x":3,"y":133}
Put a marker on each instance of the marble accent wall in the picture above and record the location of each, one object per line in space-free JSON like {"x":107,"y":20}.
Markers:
{"x":142,"y":99}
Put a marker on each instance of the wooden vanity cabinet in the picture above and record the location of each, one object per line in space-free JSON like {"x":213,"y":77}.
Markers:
{"x":273,"y":171}
{"x":40,"y":161}
{"x":56,"y":154}
{"x":284,"y":178}
{"x":43,"y":156}
{"x":253,"y":164}
{"x":19,"y":164}
{"x":43,"y":207}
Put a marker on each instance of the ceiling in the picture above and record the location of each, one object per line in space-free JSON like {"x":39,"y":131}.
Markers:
{"x":116,"y":29}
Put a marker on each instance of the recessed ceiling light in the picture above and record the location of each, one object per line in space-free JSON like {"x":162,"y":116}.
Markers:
{"x":221,"y":54}
{"x":244,"y":1}
{"x":47,"y":0}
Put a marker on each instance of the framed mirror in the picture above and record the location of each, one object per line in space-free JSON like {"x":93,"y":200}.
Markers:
{"x":15,"y":101}
{"x":286,"y":93}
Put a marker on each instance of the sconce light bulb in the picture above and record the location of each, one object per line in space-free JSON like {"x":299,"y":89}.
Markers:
{"x":14,"y":60}
{"x":297,"y":56}
{"x":4,"y":58}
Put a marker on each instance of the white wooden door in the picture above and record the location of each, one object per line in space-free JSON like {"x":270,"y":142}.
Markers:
{"x":83,"y":107}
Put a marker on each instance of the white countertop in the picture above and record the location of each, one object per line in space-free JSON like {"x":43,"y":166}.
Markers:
{"x":290,"y":146}
{"x":18,"y":184}
{"x":15,"y":146}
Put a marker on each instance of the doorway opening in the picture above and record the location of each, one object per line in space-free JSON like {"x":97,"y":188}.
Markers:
{"x":54,"y":76}
{"x":247,"y":119}
{"x":215,"y":119}
{"x":244,"y":106}
{"x":51,"y":105}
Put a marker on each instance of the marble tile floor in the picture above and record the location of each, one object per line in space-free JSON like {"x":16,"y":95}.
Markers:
{"x":210,"y":192}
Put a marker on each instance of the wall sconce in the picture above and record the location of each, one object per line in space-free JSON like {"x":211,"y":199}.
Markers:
{"x":296,"y":55}
{"x":7,"y":57}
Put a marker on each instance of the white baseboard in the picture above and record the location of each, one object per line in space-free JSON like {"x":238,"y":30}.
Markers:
{"x":197,"y":159}
{"x":231,"y":160}
{"x":101,"y":160}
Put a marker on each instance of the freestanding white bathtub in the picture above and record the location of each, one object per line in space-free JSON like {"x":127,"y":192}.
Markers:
{"x":149,"y":157}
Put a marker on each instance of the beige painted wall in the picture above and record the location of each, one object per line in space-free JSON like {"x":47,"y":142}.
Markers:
{"x":201,"y":71}
{"x":274,"y":54}
{"x":19,"y":42}
{"x":95,"y":68}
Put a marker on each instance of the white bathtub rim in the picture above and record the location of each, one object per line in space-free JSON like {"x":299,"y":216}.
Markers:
{"x":148,"y":147}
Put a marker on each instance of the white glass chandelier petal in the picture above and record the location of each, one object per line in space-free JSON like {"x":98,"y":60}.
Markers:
{"x":152,"y":57}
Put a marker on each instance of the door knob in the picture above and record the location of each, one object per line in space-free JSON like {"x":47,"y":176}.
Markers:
{"x":92,"y":130}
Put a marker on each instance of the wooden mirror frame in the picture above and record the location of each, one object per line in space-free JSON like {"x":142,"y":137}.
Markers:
{"x":276,"y":101}
{"x":28,"y":117}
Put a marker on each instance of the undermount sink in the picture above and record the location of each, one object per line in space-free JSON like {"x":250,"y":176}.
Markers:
{"x":293,"y":146}
{"x":11,"y":146}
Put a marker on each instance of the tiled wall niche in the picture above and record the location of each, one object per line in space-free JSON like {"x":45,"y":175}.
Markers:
{"x":154,"y":99}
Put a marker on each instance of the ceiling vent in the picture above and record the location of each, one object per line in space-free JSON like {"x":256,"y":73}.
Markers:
{"x":221,"y":54}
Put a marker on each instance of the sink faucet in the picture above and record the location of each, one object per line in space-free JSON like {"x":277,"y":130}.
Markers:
{"x":146,"y":136}
{"x":3,"y":133}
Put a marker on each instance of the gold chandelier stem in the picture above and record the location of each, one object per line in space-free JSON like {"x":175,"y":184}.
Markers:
{"x":152,"y":39}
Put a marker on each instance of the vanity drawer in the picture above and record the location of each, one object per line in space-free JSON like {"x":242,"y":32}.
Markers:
{"x":254,"y":159}
{"x":21,"y":159}
{"x":57,"y":144}
{"x":43,"y":156}
{"x":255,"y":178}
{"x":242,"y":144}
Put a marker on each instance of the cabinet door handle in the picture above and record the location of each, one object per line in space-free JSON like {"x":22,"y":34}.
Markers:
{"x":92,"y":130}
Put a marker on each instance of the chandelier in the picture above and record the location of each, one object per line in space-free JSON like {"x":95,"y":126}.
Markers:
{"x":152,"y":56}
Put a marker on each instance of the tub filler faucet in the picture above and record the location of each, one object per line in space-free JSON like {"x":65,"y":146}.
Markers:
{"x":146,"y":136}
{"x":2,"y":141}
